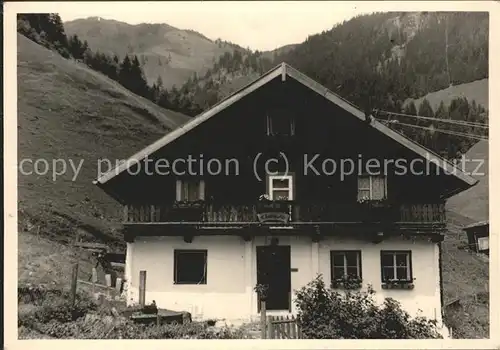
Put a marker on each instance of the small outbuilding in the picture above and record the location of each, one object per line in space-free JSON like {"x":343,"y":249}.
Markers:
{"x":478,"y":236}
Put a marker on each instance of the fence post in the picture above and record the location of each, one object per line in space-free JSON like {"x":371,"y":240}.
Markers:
{"x":94,"y":279}
{"x":142,"y":288}
{"x":270,"y":328}
{"x":108,"y":284}
{"x":74,"y":280}
{"x":263,"y":319}
{"x":118,"y":286}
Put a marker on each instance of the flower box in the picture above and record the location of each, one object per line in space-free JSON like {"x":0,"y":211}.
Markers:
{"x":272,"y":207}
{"x":188,"y":205}
{"x":398,"y":285}
{"x":347,"y":283}
{"x":187,"y":211}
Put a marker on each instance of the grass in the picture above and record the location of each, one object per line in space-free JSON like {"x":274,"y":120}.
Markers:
{"x":68,"y":111}
{"x":42,"y":261}
{"x":474,"y":203}
{"x":476,"y":90}
{"x":465,"y":276}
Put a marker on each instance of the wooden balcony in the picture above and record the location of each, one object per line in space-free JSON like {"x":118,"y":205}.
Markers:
{"x":211,"y":213}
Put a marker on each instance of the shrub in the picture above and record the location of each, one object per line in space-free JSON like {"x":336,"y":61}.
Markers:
{"x":324,"y":313}
{"x":57,"y":308}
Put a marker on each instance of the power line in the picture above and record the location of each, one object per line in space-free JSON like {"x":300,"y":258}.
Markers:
{"x":450,"y":132}
{"x":451,"y":121}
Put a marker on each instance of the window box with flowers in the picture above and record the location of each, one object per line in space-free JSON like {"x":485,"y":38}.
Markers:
{"x":348,"y":282}
{"x":266,"y":205}
{"x":188,"y":210}
{"x":397,"y":284}
{"x":374,"y":209}
{"x":188,"y":204}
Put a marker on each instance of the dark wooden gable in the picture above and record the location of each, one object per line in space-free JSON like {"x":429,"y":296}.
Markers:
{"x":241,"y":131}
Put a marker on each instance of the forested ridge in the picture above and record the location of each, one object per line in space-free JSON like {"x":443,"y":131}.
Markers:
{"x":375,"y":61}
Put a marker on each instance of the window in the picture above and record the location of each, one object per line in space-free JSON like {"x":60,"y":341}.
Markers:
{"x":396,"y":266}
{"x":345,"y":263}
{"x":280,"y":124}
{"x":483,"y":243}
{"x":190,"y":190}
{"x":372,"y":187}
{"x":190,"y":266}
{"x":280,"y":187}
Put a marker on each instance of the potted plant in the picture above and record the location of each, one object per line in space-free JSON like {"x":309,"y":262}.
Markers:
{"x":261,"y":290}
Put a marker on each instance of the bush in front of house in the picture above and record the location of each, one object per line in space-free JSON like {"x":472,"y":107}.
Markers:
{"x":324,"y":313}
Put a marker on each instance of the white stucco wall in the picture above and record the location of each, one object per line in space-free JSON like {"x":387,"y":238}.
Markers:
{"x":231,"y":272}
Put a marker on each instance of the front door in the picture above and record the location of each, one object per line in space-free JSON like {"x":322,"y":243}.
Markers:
{"x":273,"y":270}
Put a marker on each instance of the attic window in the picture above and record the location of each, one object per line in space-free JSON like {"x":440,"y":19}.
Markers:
{"x":280,"y":124}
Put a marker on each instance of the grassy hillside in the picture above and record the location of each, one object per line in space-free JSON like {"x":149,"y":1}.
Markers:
{"x":466,"y":277}
{"x":174,"y":54}
{"x":476,"y":90}
{"x":465,"y":274}
{"x":67,"y":111}
{"x":474,"y":203}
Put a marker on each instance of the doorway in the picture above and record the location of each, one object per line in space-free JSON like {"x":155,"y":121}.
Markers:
{"x":273,"y":270}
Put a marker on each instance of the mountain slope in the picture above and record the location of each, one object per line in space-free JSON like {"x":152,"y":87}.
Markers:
{"x":475,"y":90}
{"x":474,"y":203}
{"x":67,"y":111}
{"x":374,"y":61}
{"x":165,"y":51}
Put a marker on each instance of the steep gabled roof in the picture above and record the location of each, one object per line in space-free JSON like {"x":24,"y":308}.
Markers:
{"x":477,"y":224}
{"x":284,"y":70}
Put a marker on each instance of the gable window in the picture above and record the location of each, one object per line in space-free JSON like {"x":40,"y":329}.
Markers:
{"x":190,"y":266}
{"x":396,"y":266}
{"x":345,"y":263}
{"x":189,"y":190}
{"x":280,"y":124}
{"x":280,"y":187}
{"x":372,"y":187}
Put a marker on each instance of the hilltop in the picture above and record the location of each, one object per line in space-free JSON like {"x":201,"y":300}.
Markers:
{"x":172,"y":53}
{"x":70,"y":112}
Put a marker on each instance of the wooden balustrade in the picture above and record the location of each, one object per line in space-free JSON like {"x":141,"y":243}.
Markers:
{"x":299,"y":212}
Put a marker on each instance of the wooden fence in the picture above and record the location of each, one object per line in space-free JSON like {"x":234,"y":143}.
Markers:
{"x":280,"y":327}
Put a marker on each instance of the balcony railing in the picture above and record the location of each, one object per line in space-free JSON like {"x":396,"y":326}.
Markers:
{"x":298,"y":212}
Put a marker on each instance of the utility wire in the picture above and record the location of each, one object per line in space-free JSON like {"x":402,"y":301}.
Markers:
{"x":455,"y":133}
{"x":451,"y":121}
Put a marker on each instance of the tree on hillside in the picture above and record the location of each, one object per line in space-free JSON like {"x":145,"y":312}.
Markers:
{"x":425,"y":110}
{"x":124,"y":75}
{"x":46,"y":29}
